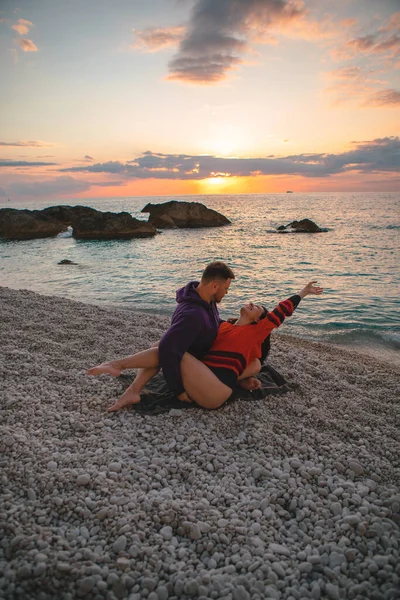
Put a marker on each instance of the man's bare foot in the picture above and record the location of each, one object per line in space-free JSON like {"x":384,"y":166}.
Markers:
{"x":126,"y":399}
{"x":250,"y":383}
{"x":104,"y":368}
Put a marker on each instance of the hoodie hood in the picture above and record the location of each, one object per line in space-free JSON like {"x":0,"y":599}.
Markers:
{"x":189,"y":294}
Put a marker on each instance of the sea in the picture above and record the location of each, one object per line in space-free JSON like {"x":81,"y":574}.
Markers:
{"x":356,"y":261}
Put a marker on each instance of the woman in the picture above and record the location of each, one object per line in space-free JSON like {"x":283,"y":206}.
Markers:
{"x":233,"y":355}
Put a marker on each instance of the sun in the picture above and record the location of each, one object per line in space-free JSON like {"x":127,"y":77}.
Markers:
{"x":215,"y":180}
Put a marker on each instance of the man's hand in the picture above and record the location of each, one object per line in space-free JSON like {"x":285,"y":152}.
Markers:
{"x":184,"y":397}
{"x":310,"y":288}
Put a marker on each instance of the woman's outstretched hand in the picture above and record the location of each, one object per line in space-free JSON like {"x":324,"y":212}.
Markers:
{"x":310,"y":288}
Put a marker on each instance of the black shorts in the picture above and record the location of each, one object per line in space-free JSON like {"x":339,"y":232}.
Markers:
{"x":226,"y":376}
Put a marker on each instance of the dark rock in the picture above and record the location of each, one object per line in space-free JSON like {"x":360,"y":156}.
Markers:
{"x":184,"y":215}
{"x":91,"y":224}
{"x":27,"y":224}
{"x":111,"y":226}
{"x":70,"y":215}
{"x":303,"y":226}
{"x":87,"y":223}
{"x":66,"y":261}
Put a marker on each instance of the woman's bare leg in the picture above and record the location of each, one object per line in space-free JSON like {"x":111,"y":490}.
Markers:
{"x":132,"y":394}
{"x":247,"y":379}
{"x":140,"y":360}
{"x":201,"y":385}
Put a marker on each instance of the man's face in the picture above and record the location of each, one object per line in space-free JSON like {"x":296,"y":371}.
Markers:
{"x":221,"y":289}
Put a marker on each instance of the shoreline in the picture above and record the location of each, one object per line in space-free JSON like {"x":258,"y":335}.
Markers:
{"x":377,"y":351}
{"x":254,"y":500}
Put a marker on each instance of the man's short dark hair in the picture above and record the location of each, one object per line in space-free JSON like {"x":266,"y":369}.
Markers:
{"x":217,"y":271}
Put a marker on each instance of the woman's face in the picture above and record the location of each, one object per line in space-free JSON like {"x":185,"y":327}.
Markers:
{"x":252,"y":311}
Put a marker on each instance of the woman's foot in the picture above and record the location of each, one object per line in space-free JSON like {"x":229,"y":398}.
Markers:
{"x":250,"y":383}
{"x":108,"y":368}
{"x":126,"y":399}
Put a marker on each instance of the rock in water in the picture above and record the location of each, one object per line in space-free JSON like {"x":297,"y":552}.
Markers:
{"x":303,"y":226}
{"x":27,"y":224}
{"x":87,"y":223}
{"x":91,"y":224}
{"x":184,"y":215}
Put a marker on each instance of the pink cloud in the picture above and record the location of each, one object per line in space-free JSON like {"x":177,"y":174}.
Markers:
{"x":27,"y":144}
{"x":154,"y":39}
{"x":22,"y":26}
{"x":389,"y":97}
{"x":393,"y":24}
{"x":27,"y":45}
{"x":345,"y":73}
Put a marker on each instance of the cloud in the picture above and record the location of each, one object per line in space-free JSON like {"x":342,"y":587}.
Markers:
{"x":31,"y":143}
{"x":384,"y":41}
{"x":60,"y":186}
{"x":23,"y":163}
{"x":107,"y":183}
{"x":387,"y":97}
{"x":13,"y":53}
{"x":358,"y":85}
{"x":87,"y":157}
{"x":393,"y":24}
{"x":27,"y":45}
{"x":376,"y":156}
{"x":219,"y":33}
{"x":154,"y":39}
{"x":22,"y":26}
{"x":351,"y":73}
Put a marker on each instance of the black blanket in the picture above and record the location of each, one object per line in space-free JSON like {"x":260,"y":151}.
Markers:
{"x":156,"y":398}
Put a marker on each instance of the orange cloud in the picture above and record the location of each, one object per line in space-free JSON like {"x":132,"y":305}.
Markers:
{"x":27,"y":144}
{"x":27,"y":45}
{"x":22,"y":26}
{"x":352,"y":84}
{"x":154,"y":39}
{"x":387,"y":97}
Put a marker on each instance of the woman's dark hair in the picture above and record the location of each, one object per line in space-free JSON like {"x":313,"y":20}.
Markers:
{"x":217,"y":271}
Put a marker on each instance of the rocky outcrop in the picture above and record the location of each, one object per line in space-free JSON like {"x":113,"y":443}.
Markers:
{"x":303,"y":226}
{"x":112,"y":226}
{"x":66,"y":261}
{"x":27,"y":224}
{"x":87,"y":223}
{"x":91,"y":224}
{"x":70,"y":215}
{"x":184,"y":215}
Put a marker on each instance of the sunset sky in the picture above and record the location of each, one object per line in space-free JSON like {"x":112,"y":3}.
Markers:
{"x":161,"y":97}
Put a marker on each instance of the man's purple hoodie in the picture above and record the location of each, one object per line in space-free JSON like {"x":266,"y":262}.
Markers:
{"x":194,"y":327}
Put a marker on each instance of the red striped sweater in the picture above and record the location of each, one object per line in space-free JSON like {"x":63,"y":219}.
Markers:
{"x":235,"y":347}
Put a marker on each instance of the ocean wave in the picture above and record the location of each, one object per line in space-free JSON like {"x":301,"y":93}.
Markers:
{"x":66,"y":234}
{"x":383,"y":227}
{"x":352,"y":336}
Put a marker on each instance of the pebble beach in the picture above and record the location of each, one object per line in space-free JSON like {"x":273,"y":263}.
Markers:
{"x":291,"y":497}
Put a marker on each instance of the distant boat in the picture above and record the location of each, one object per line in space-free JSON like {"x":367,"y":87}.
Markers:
{"x":289,"y":191}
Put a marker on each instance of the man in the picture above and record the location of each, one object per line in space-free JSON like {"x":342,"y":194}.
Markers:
{"x":194,"y":327}
{"x":194,"y":324}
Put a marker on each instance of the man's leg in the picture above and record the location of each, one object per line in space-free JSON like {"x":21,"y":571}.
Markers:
{"x":132,"y":393}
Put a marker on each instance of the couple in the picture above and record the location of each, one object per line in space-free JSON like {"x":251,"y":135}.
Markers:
{"x":202,"y":357}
